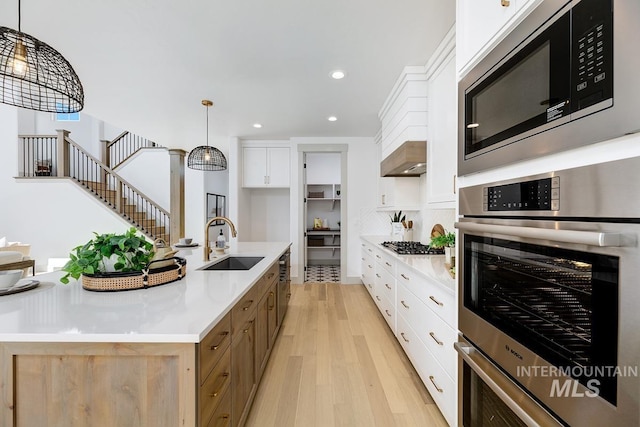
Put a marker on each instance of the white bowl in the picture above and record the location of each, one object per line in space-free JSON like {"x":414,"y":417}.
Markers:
{"x":9,"y":278}
{"x":185,"y":241}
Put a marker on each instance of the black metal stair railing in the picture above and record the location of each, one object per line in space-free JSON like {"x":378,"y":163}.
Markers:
{"x":123,"y":147}
{"x":71,"y":160}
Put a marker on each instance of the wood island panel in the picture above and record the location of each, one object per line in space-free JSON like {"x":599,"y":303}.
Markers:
{"x":81,"y":384}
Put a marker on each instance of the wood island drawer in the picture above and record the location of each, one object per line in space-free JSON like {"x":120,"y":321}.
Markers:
{"x":222,"y":415}
{"x":215,"y":387}
{"x":271,"y":275}
{"x":213,"y":346}
{"x":244,"y":308}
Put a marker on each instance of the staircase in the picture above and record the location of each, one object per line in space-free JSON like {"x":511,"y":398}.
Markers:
{"x":122,"y":147}
{"x":67,"y":159}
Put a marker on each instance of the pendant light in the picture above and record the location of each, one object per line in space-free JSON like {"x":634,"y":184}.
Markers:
{"x":204,"y":157}
{"x":35,"y":76}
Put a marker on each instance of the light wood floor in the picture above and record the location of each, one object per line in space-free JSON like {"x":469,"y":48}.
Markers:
{"x":336,"y":363}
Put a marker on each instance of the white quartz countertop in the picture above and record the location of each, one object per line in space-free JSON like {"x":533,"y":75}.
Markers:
{"x":182,"y":311}
{"x":430,"y":266}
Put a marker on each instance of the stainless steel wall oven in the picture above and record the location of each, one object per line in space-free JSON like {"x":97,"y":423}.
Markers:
{"x":549,"y":296}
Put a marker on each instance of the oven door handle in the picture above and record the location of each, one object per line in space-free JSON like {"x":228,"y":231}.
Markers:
{"x":591,"y":238}
{"x":529,"y":411}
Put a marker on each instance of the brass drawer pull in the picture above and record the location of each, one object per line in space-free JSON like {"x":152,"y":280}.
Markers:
{"x":244,"y":331}
{"x":403,"y":337}
{"x":369,"y":250}
{"x":404,"y":304}
{"x":387,"y":286}
{"x":378,"y":256}
{"x":404,"y":277}
{"x":250,"y":303}
{"x":435,"y":385}
{"x":378,"y":298}
{"x":388,"y":314}
{"x":369,"y":266}
{"x":272,"y":306}
{"x":435,"y":300}
{"x":435,"y":339}
{"x":505,"y":3}
{"x":378,"y":276}
{"x":388,"y":264}
{"x":223,"y":335}
{"x":224,"y":376}
{"x":369,"y":285}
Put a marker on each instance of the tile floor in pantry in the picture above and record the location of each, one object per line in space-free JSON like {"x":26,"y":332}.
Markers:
{"x":323,"y":273}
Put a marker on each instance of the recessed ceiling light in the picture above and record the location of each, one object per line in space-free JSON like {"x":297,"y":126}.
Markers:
{"x":257,"y":125}
{"x":332,"y":118}
{"x":337,"y":74}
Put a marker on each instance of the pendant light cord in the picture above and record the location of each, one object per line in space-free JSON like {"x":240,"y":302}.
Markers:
{"x":207,"y":125}
{"x":19,"y":17}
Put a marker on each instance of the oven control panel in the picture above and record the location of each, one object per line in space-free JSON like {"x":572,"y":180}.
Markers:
{"x":536,"y":195}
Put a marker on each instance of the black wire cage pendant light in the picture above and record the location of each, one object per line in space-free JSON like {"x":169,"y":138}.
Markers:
{"x":204,"y":157}
{"x":35,"y":76}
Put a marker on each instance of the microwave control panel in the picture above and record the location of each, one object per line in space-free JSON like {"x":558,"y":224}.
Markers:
{"x":537,"y":195}
{"x":592,"y":45}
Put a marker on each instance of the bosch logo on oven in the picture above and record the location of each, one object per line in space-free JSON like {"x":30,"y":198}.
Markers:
{"x":513,"y":352}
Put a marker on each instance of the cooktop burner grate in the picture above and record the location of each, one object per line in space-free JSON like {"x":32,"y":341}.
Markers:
{"x":412,"y":248}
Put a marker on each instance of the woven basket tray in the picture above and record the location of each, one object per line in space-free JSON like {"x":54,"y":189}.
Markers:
{"x":147,"y":278}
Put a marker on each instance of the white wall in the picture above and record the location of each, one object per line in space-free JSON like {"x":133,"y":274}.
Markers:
{"x":53,"y":215}
{"x":269,"y":209}
{"x":323,"y":168}
{"x":87,"y":132}
{"x":148,"y":171}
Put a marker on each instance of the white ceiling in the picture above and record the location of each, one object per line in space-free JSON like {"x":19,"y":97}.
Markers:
{"x":146,"y":64}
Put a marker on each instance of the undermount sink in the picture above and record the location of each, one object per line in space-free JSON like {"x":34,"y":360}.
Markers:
{"x":234,"y":263}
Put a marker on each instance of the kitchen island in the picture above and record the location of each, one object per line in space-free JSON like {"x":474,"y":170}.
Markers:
{"x":185,"y":353}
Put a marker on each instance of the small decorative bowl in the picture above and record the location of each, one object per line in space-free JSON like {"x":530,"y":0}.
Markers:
{"x":9,"y":278}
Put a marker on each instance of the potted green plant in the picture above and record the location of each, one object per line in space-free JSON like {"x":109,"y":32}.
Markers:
{"x":396,"y":223}
{"x":446,"y":241}
{"x":107,"y":253}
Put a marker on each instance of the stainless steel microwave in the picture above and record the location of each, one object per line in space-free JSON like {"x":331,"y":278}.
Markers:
{"x":565,"y":77}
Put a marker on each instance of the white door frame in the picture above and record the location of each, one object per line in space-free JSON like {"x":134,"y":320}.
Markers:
{"x":324,"y":148}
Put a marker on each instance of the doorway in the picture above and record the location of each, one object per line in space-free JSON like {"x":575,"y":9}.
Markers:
{"x":323,"y":213}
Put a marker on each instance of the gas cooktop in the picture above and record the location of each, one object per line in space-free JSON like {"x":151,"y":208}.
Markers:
{"x":412,"y":248}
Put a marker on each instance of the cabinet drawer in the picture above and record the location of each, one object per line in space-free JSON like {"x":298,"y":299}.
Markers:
{"x":388,"y":311}
{"x":213,"y":346}
{"x":244,"y":308}
{"x":386,"y":283}
{"x":431,"y":329}
{"x":270,"y":276}
{"x":385,"y":261}
{"x":215,"y":387}
{"x":222,"y":415}
{"x":441,"y":387}
{"x":441,"y":301}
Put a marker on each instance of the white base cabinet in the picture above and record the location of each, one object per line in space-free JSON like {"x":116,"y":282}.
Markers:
{"x":422,"y":315}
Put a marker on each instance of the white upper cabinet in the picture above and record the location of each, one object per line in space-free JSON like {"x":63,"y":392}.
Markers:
{"x":482,"y":24}
{"x":442,"y":132}
{"x":265,"y":167}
